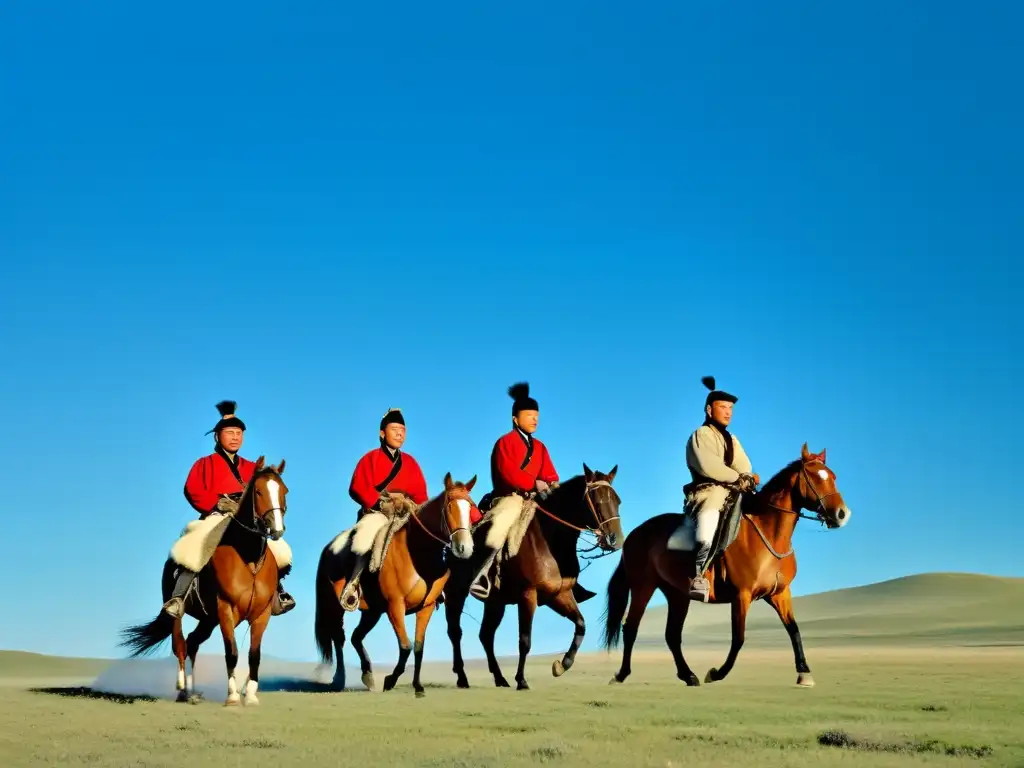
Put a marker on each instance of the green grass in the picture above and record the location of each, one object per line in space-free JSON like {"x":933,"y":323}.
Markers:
{"x":926,"y":670}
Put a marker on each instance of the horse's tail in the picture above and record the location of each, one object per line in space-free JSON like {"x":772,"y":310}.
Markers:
{"x":328,"y":610}
{"x":143,"y":639}
{"x":615,"y":609}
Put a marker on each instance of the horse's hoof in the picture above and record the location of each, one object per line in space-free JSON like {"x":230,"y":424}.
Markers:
{"x":420,"y":693}
{"x":368,"y":681}
{"x":710,"y":676}
{"x":462,"y":683}
{"x":389,"y":682}
{"x":691,"y":681}
{"x":522,"y":685}
{"x":804,"y":680}
{"x":195,"y":698}
{"x":233,"y":701}
{"x":557,"y":668}
{"x":251,"y":701}
{"x":501,"y":682}
{"x":615,"y":680}
{"x":182,"y":697}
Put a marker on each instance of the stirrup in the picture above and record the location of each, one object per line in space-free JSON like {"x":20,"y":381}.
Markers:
{"x":481,"y":588}
{"x":282,"y":603}
{"x":351,"y":595}
{"x":175,"y":607}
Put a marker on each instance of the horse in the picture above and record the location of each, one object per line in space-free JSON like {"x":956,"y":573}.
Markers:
{"x":544,"y":571}
{"x":238,"y":584}
{"x":411,"y":578}
{"x":760,"y":564}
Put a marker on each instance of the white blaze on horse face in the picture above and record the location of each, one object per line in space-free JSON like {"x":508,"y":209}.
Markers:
{"x":463,"y":507}
{"x":462,"y":540}
{"x":274,"y":491}
{"x":823,"y":474}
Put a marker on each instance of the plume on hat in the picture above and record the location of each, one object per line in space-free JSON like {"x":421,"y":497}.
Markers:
{"x":520,"y":390}
{"x":226,"y":407}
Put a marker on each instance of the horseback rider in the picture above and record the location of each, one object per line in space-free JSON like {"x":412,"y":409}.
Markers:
{"x":214,"y":486}
{"x":386,"y":468}
{"x":719,"y":466}
{"x":520,"y":465}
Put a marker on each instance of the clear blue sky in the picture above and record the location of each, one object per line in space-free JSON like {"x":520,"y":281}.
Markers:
{"x":324,"y":213}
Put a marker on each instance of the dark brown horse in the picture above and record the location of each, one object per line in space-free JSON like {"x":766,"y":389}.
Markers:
{"x":759,"y":564}
{"x":238,"y":584}
{"x":410,"y":580}
{"x":543,"y":571}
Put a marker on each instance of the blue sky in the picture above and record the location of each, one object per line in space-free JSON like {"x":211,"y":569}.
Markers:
{"x":325,"y":213}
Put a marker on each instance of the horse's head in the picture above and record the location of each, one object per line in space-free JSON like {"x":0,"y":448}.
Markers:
{"x":457,"y":512}
{"x":269,"y":498}
{"x":603,"y":502}
{"x":814,"y":489}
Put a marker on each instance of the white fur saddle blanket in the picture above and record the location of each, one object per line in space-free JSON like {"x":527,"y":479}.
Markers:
{"x":375,"y":530}
{"x":711,"y":513}
{"x":200,"y":538}
{"x":510,"y":518}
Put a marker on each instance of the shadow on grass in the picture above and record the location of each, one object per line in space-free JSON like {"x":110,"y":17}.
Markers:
{"x":81,"y":692}
{"x":845,"y":740}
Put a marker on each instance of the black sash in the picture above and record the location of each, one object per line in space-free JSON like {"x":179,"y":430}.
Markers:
{"x":396,"y":467}
{"x":233,"y":467}
{"x":529,"y":450}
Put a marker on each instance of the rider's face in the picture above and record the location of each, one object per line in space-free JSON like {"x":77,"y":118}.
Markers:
{"x":721,"y":411}
{"x":231,"y":439}
{"x":527,"y":421}
{"x":394,"y":435}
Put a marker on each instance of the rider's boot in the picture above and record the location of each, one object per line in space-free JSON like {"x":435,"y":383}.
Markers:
{"x":481,"y":586}
{"x":283,"y":602}
{"x":175,"y":605}
{"x":352,"y":593}
{"x":700,"y":589}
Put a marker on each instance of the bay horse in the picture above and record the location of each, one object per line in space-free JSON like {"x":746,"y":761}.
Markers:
{"x":759,"y":564}
{"x":237,"y":584}
{"x":543,"y":572}
{"x":411,"y":578}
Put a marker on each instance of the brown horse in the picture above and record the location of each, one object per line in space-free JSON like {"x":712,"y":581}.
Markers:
{"x":543,"y":572}
{"x":759,"y":564}
{"x":410,"y":580}
{"x":238,"y":584}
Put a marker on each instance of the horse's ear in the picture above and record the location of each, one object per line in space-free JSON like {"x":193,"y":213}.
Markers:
{"x":588,"y":473}
{"x":804,"y":453}
{"x":611,"y":475}
{"x":471,"y":483}
{"x":448,"y":481}
{"x":280,"y":467}
{"x":821,"y":456}
{"x":259,"y":462}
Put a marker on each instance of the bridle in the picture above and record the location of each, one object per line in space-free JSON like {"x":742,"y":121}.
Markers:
{"x":262,"y":530}
{"x":599,"y":532}
{"x":446,"y":528}
{"x":819,"y":508}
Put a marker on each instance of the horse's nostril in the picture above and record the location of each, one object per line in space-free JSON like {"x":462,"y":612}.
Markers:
{"x":842,"y":514}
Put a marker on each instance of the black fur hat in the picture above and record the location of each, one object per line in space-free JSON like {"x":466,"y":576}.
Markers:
{"x":716,"y":394}
{"x":226,"y":409}
{"x":521,"y":400}
{"x":393,"y":416}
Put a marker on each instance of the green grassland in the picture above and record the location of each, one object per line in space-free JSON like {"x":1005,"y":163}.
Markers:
{"x":920,"y":671}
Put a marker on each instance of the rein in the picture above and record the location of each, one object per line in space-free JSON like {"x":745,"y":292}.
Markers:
{"x":598,"y":532}
{"x":444,"y":521}
{"x":818,"y":509}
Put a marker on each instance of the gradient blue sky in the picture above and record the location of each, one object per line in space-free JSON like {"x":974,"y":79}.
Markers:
{"x":323,"y":213}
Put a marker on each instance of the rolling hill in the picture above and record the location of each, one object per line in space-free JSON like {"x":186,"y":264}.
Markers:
{"x":933,"y":609}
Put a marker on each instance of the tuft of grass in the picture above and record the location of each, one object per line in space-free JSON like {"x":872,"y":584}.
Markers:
{"x":844,"y":740}
{"x":934,"y":708}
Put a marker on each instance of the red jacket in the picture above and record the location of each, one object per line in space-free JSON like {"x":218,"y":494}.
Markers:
{"x":375,"y":467}
{"x":211,"y":476}
{"x":510,"y":470}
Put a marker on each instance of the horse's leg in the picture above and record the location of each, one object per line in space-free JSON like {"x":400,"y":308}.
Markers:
{"x":422,"y":620}
{"x":740,"y":605}
{"x":367,"y":622}
{"x":564,"y":604}
{"x":256,"y":630}
{"x":640,"y":593}
{"x":527,"y":607}
{"x":338,"y":639}
{"x":178,"y":643}
{"x":396,"y":615}
{"x":783,"y":605}
{"x":196,"y":638}
{"x":678,"y":607}
{"x":226,"y":617}
{"x":493,"y":614}
{"x":454,"y":602}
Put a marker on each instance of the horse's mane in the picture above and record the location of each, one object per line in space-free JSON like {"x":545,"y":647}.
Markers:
{"x":781,"y":478}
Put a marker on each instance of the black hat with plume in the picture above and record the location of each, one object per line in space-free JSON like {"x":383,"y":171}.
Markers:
{"x":521,"y":400}
{"x":226,"y":408}
{"x":716,"y":394}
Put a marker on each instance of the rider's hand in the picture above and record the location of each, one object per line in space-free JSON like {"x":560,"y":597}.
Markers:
{"x":757,"y":479}
{"x":542,"y":487}
{"x":746,"y":483}
{"x":226,"y":505}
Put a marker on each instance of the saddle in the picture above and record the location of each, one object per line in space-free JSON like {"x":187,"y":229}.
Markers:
{"x":729,"y":517}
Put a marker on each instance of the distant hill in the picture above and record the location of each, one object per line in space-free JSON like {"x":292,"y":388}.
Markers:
{"x":925,"y":609}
